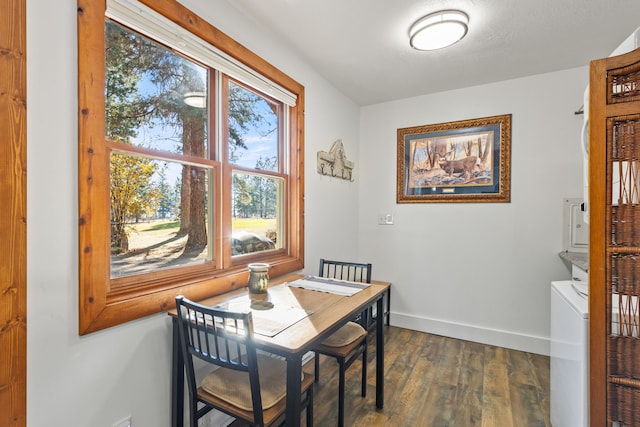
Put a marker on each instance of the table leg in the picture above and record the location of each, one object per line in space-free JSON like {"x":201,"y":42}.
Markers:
{"x":294,"y":389}
{"x":177,"y":378}
{"x":388,"y":308}
{"x":379,"y":354}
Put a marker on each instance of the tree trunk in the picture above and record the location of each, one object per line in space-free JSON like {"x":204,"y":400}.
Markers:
{"x":119,"y":239}
{"x":193,"y":137}
{"x":185,"y":201}
{"x":198,"y":230}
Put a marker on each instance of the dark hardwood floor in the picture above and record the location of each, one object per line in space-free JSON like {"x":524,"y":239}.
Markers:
{"x":435,"y":381}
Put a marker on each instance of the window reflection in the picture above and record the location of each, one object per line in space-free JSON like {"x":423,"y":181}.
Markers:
{"x":154,"y":98}
{"x":253,"y":129}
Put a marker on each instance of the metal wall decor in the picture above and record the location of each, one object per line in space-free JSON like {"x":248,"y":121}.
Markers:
{"x":334,"y":163}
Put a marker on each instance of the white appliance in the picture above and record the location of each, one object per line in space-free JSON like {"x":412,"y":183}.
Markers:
{"x":569,"y":354}
{"x":631,"y":43}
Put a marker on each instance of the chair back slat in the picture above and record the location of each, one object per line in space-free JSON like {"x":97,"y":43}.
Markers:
{"x":216,"y":335}
{"x":353,"y":271}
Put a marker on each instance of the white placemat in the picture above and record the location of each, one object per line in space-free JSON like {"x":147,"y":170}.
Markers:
{"x":333,"y":286}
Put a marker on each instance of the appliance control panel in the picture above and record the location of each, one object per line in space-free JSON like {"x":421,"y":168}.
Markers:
{"x":575,"y":235}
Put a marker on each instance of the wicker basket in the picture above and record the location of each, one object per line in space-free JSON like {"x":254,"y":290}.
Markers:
{"x":624,"y":231}
{"x":623,"y":357}
{"x":623,"y":403}
{"x":625,"y":273}
{"x":623,"y":84}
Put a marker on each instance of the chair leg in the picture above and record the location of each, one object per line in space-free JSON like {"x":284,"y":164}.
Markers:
{"x":193,"y":416}
{"x":364,"y":370}
{"x":310,"y":407}
{"x":341,"y":393}
{"x":317,"y":366}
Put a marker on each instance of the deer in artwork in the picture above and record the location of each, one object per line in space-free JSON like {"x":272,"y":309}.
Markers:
{"x":464,"y":166}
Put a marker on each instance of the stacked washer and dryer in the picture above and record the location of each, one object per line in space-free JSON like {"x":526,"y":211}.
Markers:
{"x":569,"y":348}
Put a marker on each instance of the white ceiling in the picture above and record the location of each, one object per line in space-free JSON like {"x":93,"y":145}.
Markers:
{"x":361,"y":46}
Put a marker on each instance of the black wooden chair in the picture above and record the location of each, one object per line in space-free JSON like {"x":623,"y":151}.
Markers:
{"x":247,"y":385}
{"x":350,"y":341}
{"x":357,"y":273}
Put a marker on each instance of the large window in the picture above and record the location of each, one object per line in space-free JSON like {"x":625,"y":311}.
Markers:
{"x":190,"y":151}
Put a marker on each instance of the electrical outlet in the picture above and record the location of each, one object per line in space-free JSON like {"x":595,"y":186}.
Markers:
{"x":123,"y":423}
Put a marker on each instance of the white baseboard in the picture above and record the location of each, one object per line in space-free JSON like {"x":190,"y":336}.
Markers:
{"x":507,"y":339}
{"x":215,"y":419}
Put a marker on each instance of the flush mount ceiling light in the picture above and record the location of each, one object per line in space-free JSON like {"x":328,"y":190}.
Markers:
{"x":438,"y":30}
{"x":195,"y":99}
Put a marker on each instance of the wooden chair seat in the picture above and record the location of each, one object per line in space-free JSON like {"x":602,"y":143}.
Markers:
{"x":273,"y":415}
{"x":233,"y":386}
{"x":344,"y":340}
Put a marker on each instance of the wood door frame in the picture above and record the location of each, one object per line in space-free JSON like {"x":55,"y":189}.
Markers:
{"x":13,"y":224}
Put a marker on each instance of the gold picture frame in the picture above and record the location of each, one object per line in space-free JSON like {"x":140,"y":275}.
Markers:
{"x":455,"y":162}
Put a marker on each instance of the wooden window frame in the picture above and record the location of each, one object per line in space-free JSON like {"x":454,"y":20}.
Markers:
{"x":100,"y":305}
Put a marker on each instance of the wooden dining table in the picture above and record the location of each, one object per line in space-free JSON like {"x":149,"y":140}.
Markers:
{"x":326,"y":313}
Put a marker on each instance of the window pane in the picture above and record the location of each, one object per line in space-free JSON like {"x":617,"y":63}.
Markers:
{"x":253,"y":129}
{"x":154,"y":97}
{"x":257,"y":207}
{"x":156,"y":221}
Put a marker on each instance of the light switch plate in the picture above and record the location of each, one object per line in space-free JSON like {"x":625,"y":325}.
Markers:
{"x":123,"y":423}
{"x":385,"y":219}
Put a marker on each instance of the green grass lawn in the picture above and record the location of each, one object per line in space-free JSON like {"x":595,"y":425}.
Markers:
{"x":255,"y":225}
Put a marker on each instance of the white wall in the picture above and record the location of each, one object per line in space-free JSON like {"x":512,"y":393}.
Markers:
{"x":101,"y":378}
{"x":477,"y":271}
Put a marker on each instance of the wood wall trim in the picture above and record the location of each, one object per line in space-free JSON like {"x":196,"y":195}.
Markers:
{"x":597,"y":243}
{"x":13,"y":225}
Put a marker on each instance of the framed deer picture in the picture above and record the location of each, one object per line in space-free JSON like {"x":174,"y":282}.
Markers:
{"x":463,"y":161}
